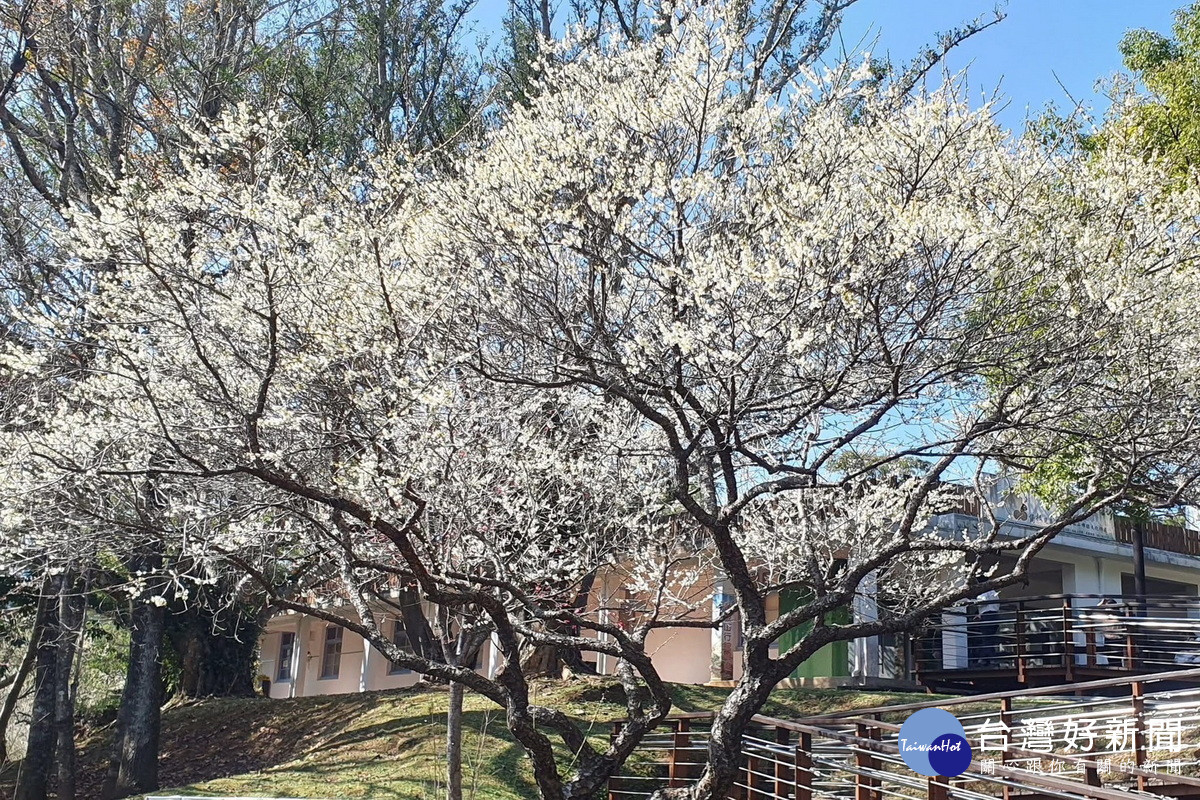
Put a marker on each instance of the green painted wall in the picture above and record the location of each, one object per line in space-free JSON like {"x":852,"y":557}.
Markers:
{"x":832,"y":660}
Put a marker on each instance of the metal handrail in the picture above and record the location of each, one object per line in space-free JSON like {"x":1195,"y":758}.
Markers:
{"x":1062,"y":632}
{"x":823,"y":742}
{"x":976,"y":772}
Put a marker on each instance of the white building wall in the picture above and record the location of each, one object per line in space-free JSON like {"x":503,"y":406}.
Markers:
{"x":355,"y":673}
{"x":351,"y":663}
{"x":683,"y":655}
{"x":1099,"y":572}
{"x":379,"y":674}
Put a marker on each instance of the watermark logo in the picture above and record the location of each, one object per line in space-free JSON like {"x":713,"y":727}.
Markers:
{"x":933,"y":742}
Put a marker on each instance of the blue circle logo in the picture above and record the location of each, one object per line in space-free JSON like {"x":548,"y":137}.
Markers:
{"x":933,"y":742}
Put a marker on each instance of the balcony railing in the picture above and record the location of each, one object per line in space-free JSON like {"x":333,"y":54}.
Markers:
{"x":1068,"y":635}
{"x":1172,"y":538}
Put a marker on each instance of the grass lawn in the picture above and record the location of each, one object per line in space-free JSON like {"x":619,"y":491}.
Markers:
{"x":386,"y":745}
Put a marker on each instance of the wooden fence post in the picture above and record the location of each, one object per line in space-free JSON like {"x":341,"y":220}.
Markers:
{"x":1138,"y":699}
{"x":679,"y":739}
{"x":782,"y":737}
{"x":802,"y":761}
{"x":865,"y":785}
{"x":1006,"y":721}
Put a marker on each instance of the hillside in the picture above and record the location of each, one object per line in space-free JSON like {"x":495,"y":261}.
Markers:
{"x":379,"y":745}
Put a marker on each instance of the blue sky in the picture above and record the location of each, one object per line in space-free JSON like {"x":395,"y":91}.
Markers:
{"x":1075,"y":40}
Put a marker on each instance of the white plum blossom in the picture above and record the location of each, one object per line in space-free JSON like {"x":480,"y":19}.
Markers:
{"x":658,"y":330}
{"x":800,"y":293}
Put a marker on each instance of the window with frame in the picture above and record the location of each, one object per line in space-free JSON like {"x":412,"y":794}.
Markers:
{"x":331,"y":655}
{"x":400,"y":639}
{"x":287,"y":648}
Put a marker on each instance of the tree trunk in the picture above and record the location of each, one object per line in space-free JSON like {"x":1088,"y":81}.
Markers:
{"x":454,"y":731}
{"x":15,"y":688}
{"x":33,"y":780}
{"x":462,"y":649}
{"x":1139,"y":567}
{"x":549,"y":661}
{"x":417,"y":627}
{"x":71,"y":605}
{"x":217,"y":650}
{"x":725,"y":758}
{"x":134,"y":764}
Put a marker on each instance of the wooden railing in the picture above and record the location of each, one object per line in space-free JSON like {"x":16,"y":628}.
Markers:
{"x":1172,"y":538}
{"x":856,"y":754}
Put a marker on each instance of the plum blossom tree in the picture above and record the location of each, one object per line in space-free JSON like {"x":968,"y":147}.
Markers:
{"x":773,"y":283}
{"x":272,"y":382}
{"x":96,"y":91}
{"x":635,"y":332}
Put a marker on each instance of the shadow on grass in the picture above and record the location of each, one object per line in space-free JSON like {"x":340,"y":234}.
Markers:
{"x":494,"y":772}
{"x":392,"y":749}
{"x":389,"y":744}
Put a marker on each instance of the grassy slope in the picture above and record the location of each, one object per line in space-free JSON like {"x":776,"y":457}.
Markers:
{"x":384,"y":745}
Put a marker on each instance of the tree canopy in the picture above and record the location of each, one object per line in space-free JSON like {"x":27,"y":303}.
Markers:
{"x":1166,"y":122}
{"x":691,"y":313}
{"x":636,"y":332}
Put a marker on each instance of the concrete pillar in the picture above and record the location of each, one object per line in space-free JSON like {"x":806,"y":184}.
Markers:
{"x":300,"y":656}
{"x":364,"y":672}
{"x":602,"y":659}
{"x":602,"y":598}
{"x":864,"y":651}
{"x":1110,"y":574}
{"x":954,"y":639}
{"x":494,"y":656}
{"x":723,"y":635}
{"x":1082,"y":577}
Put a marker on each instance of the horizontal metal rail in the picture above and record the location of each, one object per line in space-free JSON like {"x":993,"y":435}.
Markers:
{"x":1054,"y":637}
{"x":856,"y":752}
